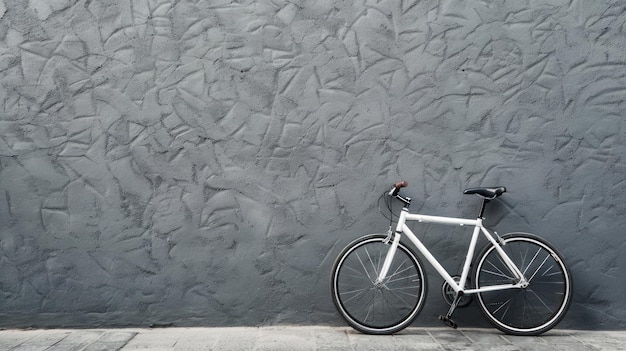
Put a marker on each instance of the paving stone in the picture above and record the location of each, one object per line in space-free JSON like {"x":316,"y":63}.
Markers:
{"x":484,"y":336}
{"x":13,"y":338}
{"x":229,"y":338}
{"x":450,"y":338}
{"x":406,"y":340}
{"x":43,"y":340}
{"x":272,"y":339}
{"x":76,"y":340}
{"x":156,"y":339}
{"x":328,"y":339}
{"x":111,"y":340}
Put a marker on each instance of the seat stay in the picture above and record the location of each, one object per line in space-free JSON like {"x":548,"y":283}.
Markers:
{"x":522,"y":282}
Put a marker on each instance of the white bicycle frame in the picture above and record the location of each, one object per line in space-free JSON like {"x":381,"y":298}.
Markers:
{"x":401,"y":227}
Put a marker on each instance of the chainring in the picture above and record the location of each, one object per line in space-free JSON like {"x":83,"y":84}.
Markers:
{"x":448,"y":294}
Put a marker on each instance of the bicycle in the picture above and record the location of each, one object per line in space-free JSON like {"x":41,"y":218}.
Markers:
{"x":521,"y":281}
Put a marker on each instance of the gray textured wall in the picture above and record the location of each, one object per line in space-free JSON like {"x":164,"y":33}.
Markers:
{"x":203,"y":162}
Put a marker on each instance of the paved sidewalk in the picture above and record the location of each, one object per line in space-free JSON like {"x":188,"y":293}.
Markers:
{"x":303,"y":338}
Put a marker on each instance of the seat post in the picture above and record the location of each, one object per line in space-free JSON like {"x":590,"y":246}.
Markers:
{"x":482,"y":207}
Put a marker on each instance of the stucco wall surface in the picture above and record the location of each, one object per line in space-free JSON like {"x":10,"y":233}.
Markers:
{"x":203,"y":162}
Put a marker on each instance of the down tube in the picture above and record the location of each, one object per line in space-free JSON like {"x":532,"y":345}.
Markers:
{"x":433,"y":261}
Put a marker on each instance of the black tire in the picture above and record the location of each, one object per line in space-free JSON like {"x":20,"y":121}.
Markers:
{"x":532,"y":310}
{"x":372,"y":309}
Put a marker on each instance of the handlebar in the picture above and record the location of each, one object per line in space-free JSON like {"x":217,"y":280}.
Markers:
{"x":396,"y":187}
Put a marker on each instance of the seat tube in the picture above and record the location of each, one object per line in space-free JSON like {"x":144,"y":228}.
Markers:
{"x":470,"y":254}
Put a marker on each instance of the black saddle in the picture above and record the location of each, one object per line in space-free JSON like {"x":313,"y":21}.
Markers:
{"x":487,"y":193}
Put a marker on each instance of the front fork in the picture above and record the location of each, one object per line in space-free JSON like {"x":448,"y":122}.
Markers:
{"x":390,"y":254}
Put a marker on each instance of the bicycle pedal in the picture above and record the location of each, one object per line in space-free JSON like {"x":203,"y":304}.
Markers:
{"x":448,"y":322}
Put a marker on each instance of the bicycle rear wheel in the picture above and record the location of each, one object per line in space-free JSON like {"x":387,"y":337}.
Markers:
{"x":377,"y":309}
{"x":526,"y":311}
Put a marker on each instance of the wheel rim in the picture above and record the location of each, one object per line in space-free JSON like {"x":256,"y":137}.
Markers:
{"x":386,"y":306}
{"x":536,"y":307}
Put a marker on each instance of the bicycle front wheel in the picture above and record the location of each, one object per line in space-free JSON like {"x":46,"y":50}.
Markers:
{"x":377,"y":308}
{"x":526,"y":311}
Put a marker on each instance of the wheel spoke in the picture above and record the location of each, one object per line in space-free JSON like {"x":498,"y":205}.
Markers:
{"x":541,"y":300}
{"x":372,"y":263}
{"x":505,"y":304}
{"x":531,"y":261}
{"x":398,"y":271}
{"x":538,"y":268}
{"x":369,"y":310}
{"x":497,"y":274}
{"x":401,"y":298}
{"x":363,"y":265}
{"x":357,"y":292}
{"x":403,"y":278}
{"x":501,"y":273}
{"x":360,"y":273}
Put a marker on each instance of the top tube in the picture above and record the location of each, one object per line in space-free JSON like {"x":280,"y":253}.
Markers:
{"x":443,"y":220}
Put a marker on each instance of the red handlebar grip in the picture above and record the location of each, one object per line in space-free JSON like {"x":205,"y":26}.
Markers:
{"x":401,"y":184}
